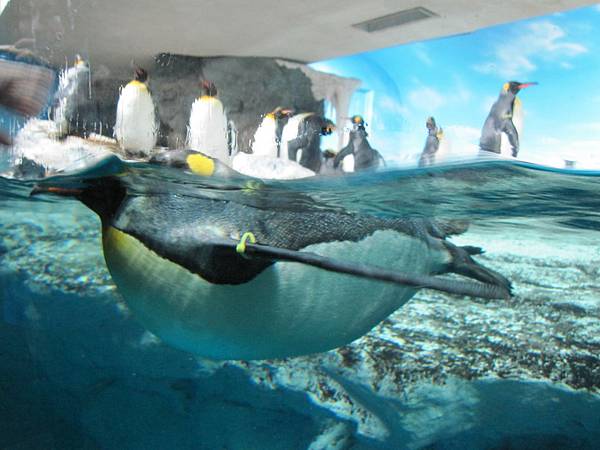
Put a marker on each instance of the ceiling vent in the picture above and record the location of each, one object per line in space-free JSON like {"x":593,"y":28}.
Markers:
{"x":395,"y":19}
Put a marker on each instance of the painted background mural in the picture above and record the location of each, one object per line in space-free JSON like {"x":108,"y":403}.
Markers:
{"x":457,"y":79}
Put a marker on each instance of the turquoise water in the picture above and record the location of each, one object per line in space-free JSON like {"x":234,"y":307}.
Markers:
{"x":78,"y":371}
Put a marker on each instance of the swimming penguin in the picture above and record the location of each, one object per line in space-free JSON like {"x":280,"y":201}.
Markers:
{"x":432,"y":143}
{"x":65,"y":100}
{"x":365,"y":157}
{"x":505,"y":119}
{"x":267,"y":138}
{"x":226,"y":280}
{"x":27,"y":85}
{"x":207,"y":129}
{"x":310,"y":130}
{"x":135,"y":127}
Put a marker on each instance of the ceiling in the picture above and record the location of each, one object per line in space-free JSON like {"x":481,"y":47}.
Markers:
{"x":302,"y":30}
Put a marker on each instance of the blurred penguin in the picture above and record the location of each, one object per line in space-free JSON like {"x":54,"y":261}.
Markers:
{"x":267,"y":138}
{"x":502,"y":128}
{"x":310,"y":130}
{"x":27,"y":85}
{"x":135,"y":127}
{"x":290,"y":132}
{"x":433,"y":150}
{"x":65,"y":100}
{"x":208,"y":128}
{"x":365,"y":156}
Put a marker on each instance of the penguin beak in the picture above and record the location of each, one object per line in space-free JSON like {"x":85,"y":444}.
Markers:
{"x":524,"y":85}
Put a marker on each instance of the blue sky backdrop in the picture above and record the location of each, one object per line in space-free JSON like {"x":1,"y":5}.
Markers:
{"x":457,"y":79}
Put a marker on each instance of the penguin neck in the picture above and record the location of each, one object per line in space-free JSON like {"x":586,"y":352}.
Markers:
{"x":138,"y":84}
{"x":104,"y":202}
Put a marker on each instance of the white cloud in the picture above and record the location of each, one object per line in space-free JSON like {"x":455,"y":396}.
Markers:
{"x":426,"y":98}
{"x":553,"y":152}
{"x":391,"y":105}
{"x":542,"y":40}
{"x":487,"y":102}
{"x":463,"y":133}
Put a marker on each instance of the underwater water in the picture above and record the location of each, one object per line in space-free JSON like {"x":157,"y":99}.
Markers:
{"x":77,"y":370}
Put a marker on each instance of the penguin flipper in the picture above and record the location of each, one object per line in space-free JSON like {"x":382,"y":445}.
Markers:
{"x":513,"y":136}
{"x":296,"y":144}
{"x":490,"y":289}
{"x":347,"y":150}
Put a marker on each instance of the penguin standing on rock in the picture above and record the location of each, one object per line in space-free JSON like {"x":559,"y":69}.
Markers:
{"x":226,"y":280}
{"x":267,"y":138}
{"x":207,"y":129}
{"x":505,"y":119}
{"x":310,"y":130}
{"x":432,"y":143}
{"x":365,"y":156}
{"x":135,"y":127}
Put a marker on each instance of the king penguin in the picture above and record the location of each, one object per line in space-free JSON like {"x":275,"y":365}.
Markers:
{"x":65,"y":101}
{"x":135,"y":127}
{"x":504,"y":121}
{"x":227,"y":280}
{"x":364,"y":156}
{"x":432,"y":144}
{"x":267,"y":138}
{"x":207,"y":129}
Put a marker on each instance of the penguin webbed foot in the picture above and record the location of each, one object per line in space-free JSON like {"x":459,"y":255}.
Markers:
{"x":463,"y":264}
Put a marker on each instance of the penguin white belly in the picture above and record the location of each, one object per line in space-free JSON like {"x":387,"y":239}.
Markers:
{"x":289,"y":309}
{"x":135,"y":127}
{"x":207,"y":130}
{"x":517,"y":120}
{"x":265,"y":139}
{"x":348,"y":164}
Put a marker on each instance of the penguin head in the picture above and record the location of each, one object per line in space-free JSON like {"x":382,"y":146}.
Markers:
{"x":140,"y":75}
{"x":430,"y":124}
{"x":515,"y":86}
{"x":80,"y":63}
{"x":102,"y":195}
{"x":358,"y":122}
{"x":327,"y":127}
{"x":208,"y":88}
{"x":279,"y":113}
{"x":329,"y":153}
